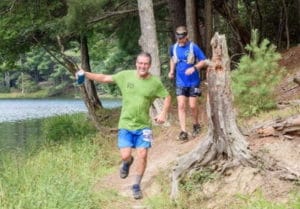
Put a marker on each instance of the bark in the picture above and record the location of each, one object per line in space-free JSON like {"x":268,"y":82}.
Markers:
{"x":258,"y":10}
{"x":208,"y":26}
{"x":88,"y":90}
{"x":287,"y":33}
{"x":177,"y":15}
{"x":280,"y":28}
{"x":191,"y":21}
{"x":224,"y":141}
{"x":298,"y":14}
{"x":7,"y":79}
{"x":148,"y":42}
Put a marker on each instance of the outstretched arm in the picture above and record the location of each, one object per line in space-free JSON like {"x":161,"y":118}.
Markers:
{"x":162,"y":116}
{"x":102,"y":78}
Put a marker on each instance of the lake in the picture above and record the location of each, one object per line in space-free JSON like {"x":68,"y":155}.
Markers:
{"x":20,"y":119}
{"x":21,"y":109}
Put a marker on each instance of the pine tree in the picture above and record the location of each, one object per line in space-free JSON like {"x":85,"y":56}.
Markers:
{"x":257,"y":74}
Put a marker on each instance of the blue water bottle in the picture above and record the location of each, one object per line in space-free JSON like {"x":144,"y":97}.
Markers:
{"x":80,"y":77}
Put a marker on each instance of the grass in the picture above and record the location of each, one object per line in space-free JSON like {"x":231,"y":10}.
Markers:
{"x":60,"y":174}
{"x":162,"y":200}
{"x":18,"y":95}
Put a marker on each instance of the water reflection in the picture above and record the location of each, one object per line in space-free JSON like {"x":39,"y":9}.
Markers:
{"x":21,"y":134}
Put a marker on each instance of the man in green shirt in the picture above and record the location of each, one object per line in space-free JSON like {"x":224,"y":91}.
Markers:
{"x":139,"y":89}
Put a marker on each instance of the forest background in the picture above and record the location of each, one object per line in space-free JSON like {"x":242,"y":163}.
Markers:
{"x":36,"y":35}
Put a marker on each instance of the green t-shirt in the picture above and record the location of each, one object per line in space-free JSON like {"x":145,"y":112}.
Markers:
{"x":137,"y":96}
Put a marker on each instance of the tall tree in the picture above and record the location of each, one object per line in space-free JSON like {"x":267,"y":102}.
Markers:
{"x":148,"y":40}
{"x":91,"y":100}
{"x":177,"y":14}
{"x":208,"y":26}
{"x":192,"y":20}
{"x":149,"y":43}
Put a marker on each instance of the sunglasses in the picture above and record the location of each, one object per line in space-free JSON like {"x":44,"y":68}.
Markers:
{"x":180,"y":35}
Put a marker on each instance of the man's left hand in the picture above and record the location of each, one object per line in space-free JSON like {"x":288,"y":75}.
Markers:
{"x":160,"y":119}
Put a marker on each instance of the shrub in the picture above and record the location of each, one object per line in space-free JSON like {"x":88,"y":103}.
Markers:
{"x":64,"y":127}
{"x":257,"y":74}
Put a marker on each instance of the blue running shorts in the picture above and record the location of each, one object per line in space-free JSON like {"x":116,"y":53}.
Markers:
{"x":140,"y":138}
{"x":188,"y":91}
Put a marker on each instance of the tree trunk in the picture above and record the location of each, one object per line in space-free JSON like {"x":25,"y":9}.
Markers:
{"x":286,"y":25}
{"x":88,"y":90}
{"x":208,"y":13}
{"x":177,"y":15}
{"x":298,"y":15}
{"x":224,"y":141}
{"x":7,"y":79}
{"x":191,"y":21}
{"x":148,"y":42}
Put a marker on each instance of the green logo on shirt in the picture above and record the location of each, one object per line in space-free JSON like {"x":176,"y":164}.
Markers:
{"x":130,"y":85}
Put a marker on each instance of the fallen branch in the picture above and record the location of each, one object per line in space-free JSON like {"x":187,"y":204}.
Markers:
{"x":288,"y":128}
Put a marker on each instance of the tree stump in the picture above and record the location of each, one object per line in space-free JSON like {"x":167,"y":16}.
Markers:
{"x":224,"y":144}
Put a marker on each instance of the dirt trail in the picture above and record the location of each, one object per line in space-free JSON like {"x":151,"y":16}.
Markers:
{"x":163,"y":153}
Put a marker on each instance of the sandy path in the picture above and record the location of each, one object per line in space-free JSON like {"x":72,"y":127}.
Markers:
{"x":163,"y":153}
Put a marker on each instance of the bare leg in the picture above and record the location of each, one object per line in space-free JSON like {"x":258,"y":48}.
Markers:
{"x":193,"y":103}
{"x":142,"y":154}
{"x":125,"y":154}
{"x":181,"y":100}
{"x":127,"y":160}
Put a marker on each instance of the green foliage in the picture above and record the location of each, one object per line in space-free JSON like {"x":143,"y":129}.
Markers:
{"x":3,"y":87}
{"x":58,"y":90}
{"x":24,"y":22}
{"x":257,"y":74}
{"x":128,"y":34}
{"x":196,"y":180}
{"x":67,"y":127}
{"x":80,"y":12}
{"x":27,"y":84}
